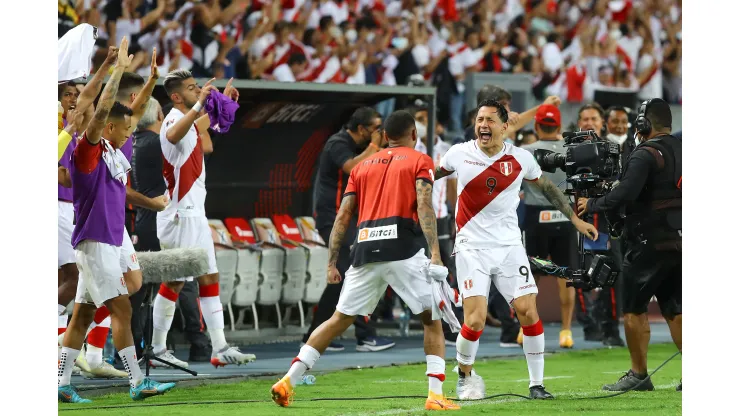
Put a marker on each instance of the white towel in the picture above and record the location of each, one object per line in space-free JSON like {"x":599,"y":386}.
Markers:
{"x":75,"y":50}
{"x":116,"y":162}
{"x":443,"y":296}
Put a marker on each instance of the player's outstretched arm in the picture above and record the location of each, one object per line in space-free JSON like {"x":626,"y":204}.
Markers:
{"x":140,"y":200}
{"x":91,"y":90}
{"x":95,"y":128}
{"x":338,"y":231}
{"x":142,"y":98}
{"x":427,"y":218}
{"x":561,"y":203}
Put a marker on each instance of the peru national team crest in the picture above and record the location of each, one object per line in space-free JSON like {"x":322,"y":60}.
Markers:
{"x":506,"y":168}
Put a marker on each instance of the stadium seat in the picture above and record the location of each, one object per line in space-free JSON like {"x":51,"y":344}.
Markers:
{"x":294,"y":264}
{"x":317,"y":260}
{"x":247,"y":270}
{"x":227,"y":258}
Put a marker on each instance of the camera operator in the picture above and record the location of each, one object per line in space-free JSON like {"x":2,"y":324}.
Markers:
{"x":547,"y":233}
{"x":650,"y":192}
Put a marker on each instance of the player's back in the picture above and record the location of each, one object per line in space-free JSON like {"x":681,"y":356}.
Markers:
{"x":385,"y":188}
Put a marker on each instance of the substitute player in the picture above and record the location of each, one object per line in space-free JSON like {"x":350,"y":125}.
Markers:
{"x":183,"y":224}
{"x":390,"y":189}
{"x":488,"y":245}
{"x":103,"y":252}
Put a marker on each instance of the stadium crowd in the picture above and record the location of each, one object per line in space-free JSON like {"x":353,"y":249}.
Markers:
{"x":571,"y":47}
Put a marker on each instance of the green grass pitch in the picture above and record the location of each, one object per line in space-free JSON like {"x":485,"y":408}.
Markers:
{"x":568,"y":376}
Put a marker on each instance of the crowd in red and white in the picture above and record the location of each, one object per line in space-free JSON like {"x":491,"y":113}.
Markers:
{"x":572,"y":47}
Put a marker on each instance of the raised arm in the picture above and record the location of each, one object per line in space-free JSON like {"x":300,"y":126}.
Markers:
{"x":182,"y":126}
{"x":95,"y":128}
{"x":338,"y":231}
{"x":427,"y":218}
{"x":142,"y":98}
{"x":561,"y":203}
{"x":92,"y":89}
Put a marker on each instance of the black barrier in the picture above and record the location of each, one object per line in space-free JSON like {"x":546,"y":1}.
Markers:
{"x":266,"y":162}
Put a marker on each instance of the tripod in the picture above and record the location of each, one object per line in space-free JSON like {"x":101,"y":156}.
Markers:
{"x":149,"y":331}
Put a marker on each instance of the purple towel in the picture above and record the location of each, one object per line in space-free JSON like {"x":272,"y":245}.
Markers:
{"x":221,"y":110}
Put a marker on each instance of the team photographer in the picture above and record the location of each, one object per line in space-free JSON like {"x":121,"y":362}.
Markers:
{"x":649,"y":191}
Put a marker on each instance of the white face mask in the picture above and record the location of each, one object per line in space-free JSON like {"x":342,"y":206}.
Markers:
{"x":615,"y":34}
{"x":370,"y":37}
{"x":335,"y":32}
{"x":616,"y":139}
{"x":541,"y":41}
{"x":444,"y":33}
{"x":351,"y":35}
{"x":421,"y":131}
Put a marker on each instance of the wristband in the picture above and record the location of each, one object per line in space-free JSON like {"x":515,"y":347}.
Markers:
{"x":377,"y":149}
{"x":197,"y":107}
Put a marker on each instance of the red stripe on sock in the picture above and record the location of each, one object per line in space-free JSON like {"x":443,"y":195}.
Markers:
{"x":61,"y":331}
{"x":208,"y":291}
{"x":440,"y":377}
{"x":469,"y":334}
{"x":295,"y":360}
{"x":101,"y":314}
{"x":167,"y":293}
{"x":533,"y":330}
{"x":98,"y":336}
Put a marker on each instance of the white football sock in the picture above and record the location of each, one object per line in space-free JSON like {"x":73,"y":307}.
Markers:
{"x":130,"y":363}
{"x":467,"y":345}
{"x":66,"y":364}
{"x":164,"y":313}
{"x":213,"y":315}
{"x":534,"y":351}
{"x":435,"y":373}
{"x":305,"y":360}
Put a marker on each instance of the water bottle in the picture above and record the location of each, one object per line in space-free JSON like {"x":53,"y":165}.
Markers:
{"x":109,"y":351}
{"x":308,"y":380}
{"x":405,"y":318}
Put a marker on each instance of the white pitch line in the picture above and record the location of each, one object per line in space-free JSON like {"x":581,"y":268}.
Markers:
{"x":522,"y":380}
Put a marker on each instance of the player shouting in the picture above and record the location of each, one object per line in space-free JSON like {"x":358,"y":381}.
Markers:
{"x":488,"y":245}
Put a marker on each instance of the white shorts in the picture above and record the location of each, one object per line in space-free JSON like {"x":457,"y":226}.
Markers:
{"x":188,"y":232}
{"x":101,"y":270}
{"x":65,"y":252}
{"x":365,"y":285}
{"x":508,"y":267}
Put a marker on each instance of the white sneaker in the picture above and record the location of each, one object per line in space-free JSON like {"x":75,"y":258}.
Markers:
{"x":104,"y":370}
{"x":470,"y":388}
{"x":231,"y":355}
{"x":167,"y":356}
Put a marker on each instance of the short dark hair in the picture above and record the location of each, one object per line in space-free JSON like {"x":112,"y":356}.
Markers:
{"x":174,"y":79}
{"x":659,"y":114}
{"x":363,"y":116}
{"x":591,"y":106}
{"x":62,"y":87}
{"x":500,"y":109}
{"x":399,"y":124}
{"x":493,"y":92}
{"x":547,"y":129}
{"x":280,"y":26}
{"x":130,"y":83}
{"x":118,"y":111}
{"x":610,"y":110}
{"x":296,"y":58}
{"x":324,"y":22}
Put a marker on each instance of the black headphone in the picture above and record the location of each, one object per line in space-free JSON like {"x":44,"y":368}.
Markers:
{"x":642,"y":124}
